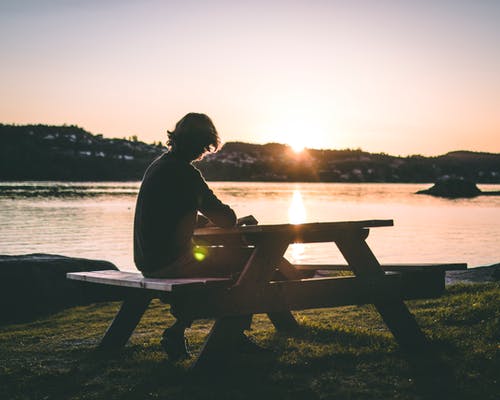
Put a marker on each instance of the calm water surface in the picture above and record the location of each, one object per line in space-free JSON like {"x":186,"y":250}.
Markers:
{"x":95,"y":220}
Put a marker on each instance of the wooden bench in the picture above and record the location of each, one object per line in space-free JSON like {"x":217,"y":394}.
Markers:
{"x":270,"y":284}
{"x":137,"y":293}
{"x":418,"y":280}
{"x":136,"y":280}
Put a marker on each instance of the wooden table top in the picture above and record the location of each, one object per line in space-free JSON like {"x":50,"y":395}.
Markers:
{"x":307,"y":227}
{"x":314,"y":231}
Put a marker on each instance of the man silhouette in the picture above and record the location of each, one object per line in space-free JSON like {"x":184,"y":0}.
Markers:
{"x":172,"y":193}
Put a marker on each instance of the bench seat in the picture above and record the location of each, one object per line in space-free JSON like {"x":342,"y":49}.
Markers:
{"x":418,"y":280}
{"x":424,"y":267}
{"x":137,"y":280}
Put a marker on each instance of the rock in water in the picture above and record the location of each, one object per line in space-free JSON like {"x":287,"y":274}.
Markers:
{"x":36,"y":284}
{"x":453,"y":188}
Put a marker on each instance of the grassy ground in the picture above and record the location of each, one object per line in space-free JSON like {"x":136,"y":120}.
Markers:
{"x":341,"y":353}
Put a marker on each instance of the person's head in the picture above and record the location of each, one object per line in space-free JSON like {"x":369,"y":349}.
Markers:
{"x":194,"y":136}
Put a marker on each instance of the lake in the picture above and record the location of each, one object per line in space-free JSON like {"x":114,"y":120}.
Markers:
{"x":95,"y":220}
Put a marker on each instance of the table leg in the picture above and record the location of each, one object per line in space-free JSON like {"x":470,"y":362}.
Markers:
{"x":125,"y":321}
{"x":395,"y":314}
{"x":258,"y":270}
{"x":261,"y":267}
{"x":284,"y":321}
{"x":219,"y":343}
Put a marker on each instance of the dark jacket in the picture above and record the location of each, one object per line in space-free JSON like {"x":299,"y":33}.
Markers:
{"x":171,"y":194}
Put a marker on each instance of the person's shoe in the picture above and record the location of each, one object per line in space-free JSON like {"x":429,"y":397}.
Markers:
{"x":244,"y":344}
{"x":175,"y":344}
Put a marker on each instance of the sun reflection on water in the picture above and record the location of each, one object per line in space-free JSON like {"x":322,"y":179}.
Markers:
{"x":297,"y":211}
{"x":296,"y":215}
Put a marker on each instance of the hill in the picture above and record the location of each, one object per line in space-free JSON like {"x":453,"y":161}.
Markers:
{"x":42,"y":152}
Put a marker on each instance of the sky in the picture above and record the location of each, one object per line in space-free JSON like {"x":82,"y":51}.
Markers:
{"x":400,"y":77}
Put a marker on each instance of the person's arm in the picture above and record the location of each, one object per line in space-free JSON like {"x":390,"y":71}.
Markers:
{"x":210,"y":206}
{"x":202,"y":221}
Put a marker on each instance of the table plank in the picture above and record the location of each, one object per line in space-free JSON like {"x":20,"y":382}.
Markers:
{"x":279,"y":296}
{"x":387,"y":267}
{"x":296,"y":233}
{"x":339,"y":226}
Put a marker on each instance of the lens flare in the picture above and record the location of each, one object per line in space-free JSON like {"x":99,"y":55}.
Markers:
{"x":199,"y":253}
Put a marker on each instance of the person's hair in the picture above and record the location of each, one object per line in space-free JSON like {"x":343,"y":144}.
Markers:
{"x":194,"y":136}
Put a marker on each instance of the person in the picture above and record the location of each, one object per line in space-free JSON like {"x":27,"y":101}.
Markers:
{"x":172,"y":194}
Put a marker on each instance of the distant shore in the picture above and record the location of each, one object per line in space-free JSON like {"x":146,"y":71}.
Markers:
{"x":69,"y":153}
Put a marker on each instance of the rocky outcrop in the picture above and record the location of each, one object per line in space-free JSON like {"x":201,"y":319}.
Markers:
{"x":456,"y":187}
{"x":36,"y":284}
{"x":453,"y":188}
{"x":474,"y":275}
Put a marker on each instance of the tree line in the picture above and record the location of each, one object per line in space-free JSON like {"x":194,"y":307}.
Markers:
{"x":44,"y":152}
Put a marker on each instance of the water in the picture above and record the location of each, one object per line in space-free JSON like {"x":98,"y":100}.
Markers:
{"x":95,"y":220}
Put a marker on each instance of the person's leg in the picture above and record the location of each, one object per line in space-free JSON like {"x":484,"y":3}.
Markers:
{"x":223,"y":261}
{"x":228,"y":261}
{"x":205,"y":262}
{"x":215,"y":261}
{"x":173,"y":340}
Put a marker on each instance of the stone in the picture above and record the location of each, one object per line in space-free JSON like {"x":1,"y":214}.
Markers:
{"x":453,"y":188}
{"x":489,"y":273}
{"x":35,"y":284}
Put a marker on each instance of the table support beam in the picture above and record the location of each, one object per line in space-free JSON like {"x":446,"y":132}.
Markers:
{"x":125,"y":321}
{"x":261,"y":267}
{"x":395,"y":314}
{"x":283,"y":321}
{"x":219,"y":342}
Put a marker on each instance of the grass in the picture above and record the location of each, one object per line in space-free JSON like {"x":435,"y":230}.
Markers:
{"x":339,"y":353}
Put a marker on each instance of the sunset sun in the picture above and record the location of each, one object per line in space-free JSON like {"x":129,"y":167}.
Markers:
{"x":297,"y":146}
{"x":299,"y":130}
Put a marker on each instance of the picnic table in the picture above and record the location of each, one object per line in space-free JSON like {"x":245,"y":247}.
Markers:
{"x":270,"y":284}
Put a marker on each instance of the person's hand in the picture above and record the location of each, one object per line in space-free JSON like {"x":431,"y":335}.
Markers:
{"x":247,"y":220}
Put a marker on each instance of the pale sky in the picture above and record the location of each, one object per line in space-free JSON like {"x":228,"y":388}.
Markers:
{"x":401,"y":77}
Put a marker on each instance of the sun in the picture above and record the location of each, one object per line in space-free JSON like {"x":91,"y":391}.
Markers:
{"x":296,"y":134}
{"x":297,"y":137}
{"x":297,"y":129}
{"x":297,"y":147}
